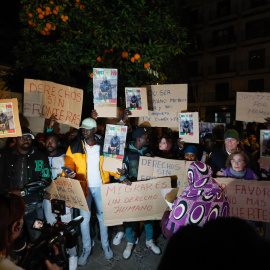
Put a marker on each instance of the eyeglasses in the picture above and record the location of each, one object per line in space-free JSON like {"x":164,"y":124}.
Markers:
{"x":237,"y":161}
{"x":8,"y":200}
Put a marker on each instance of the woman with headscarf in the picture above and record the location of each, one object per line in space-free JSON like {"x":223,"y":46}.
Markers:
{"x":202,"y":201}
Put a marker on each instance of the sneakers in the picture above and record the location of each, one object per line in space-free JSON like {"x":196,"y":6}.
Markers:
{"x":108,"y":253}
{"x":137,"y":241}
{"x":128,"y":251}
{"x":151,"y":245}
{"x":73,"y":262}
{"x":118,"y":237}
{"x":83,"y":258}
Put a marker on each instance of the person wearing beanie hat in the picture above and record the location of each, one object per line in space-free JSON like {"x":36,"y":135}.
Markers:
{"x":231,"y":145}
{"x":85,"y":158}
{"x":135,"y":149}
{"x":191,"y":153}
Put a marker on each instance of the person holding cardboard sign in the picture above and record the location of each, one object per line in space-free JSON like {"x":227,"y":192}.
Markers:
{"x":137,"y":148}
{"x":85,"y":159}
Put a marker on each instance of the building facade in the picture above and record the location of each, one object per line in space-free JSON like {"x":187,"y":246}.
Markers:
{"x":229,"y":53}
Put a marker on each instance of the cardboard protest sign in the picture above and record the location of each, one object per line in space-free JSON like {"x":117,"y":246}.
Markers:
{"x":248,"y":199}
{"x":252,"y":106}
{"x":105,"y":110}
{"x":146,"y":168}
{"x":140,"y":201}
{"x":161,"y":167}
{"x":169,"y":195}
{"x":189,"y":127}
{"x":136,"y":101}
{"x":43,"y":98}
{"x":36,"y":124}
{"x":70,"y":191}
{"x":265,"y":146}
{"x":168,"y":101}
{"x":114,"y":147}
{"x":10,"y":95}
{"x":9,"y":118}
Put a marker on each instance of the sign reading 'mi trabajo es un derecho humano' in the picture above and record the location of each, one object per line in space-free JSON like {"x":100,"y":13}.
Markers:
{"x":43,"y":98}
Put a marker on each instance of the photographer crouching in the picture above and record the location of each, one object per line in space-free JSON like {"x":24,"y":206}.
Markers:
{"x":12,"y":209}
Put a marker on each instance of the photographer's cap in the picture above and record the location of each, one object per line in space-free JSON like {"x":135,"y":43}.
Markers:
{"x":27,"y":132}
{"x":88,"y":123}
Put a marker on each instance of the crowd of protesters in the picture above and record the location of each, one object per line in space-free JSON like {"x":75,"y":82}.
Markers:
{"x":32,"y":161}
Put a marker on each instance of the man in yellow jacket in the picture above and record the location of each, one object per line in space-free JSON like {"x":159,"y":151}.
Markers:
{"x":85,"y":158}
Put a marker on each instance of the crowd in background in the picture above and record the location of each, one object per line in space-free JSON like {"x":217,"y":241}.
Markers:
{"x":36,"y":160}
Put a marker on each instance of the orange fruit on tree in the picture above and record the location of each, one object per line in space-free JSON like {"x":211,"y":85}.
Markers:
{"x":30,"y":22}
{"x":57,"y":8}
{"x":43,"y":12}
{"x":39,"y":10}
{"x":30,"y":15}
{"x":48,"y":25}
{"x":48,"y":8}
{"x":47,"y":13}
{"x":132,"y":59}
{"x":137,"y":56}
{"x":146,"y":65}
{"x":99,"y":59}
{"x":53,"y":27}
{"x":124,"y":54}
{"x":66,"y":18}
{"x":78,"y":1}
{"x":46,"y":29}
{"x":91,"y":75}
{"x":51,"y":2}
{"x":41,"y":16}
{"x":43,"y":33}
{"x":55,"y":12}
{"x":81,"y":6}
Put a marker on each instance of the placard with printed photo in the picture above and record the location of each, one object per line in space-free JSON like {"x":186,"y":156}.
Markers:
{"x":186,"y":124}
{"x":189,"y":127}
{"x":133,"y":99}
{"x":115,"y":140}
{"x":105,"y":85}
{"x":265,"y":146}
{"x":9,"y":118}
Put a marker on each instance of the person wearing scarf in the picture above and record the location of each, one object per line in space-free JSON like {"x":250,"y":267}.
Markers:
{"x":202,"y":201}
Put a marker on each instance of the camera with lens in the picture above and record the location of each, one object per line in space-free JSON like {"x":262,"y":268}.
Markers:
{"x":62,"y":235}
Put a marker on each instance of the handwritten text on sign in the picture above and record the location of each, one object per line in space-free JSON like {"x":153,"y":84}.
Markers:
{"x":248,"y":199}
{"x":140,"y":201}
{"x":252,"y":106}
{"x":42,"y":98}
{"x":168,"y":101}
{"x":68,"y":190}
{"x":150,"y":167}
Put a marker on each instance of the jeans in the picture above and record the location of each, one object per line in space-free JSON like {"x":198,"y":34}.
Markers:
{"x":94,"y":193}
{"x":148,"y":226}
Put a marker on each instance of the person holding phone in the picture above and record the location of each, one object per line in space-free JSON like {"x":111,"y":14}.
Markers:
{"x":85,"y":159}
{"x":57,"y":160}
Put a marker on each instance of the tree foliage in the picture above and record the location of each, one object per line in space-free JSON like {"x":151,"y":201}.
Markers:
{"x":63,"y":40}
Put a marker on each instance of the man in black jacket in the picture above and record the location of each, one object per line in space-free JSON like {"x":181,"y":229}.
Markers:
{"x":24,"y":170}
